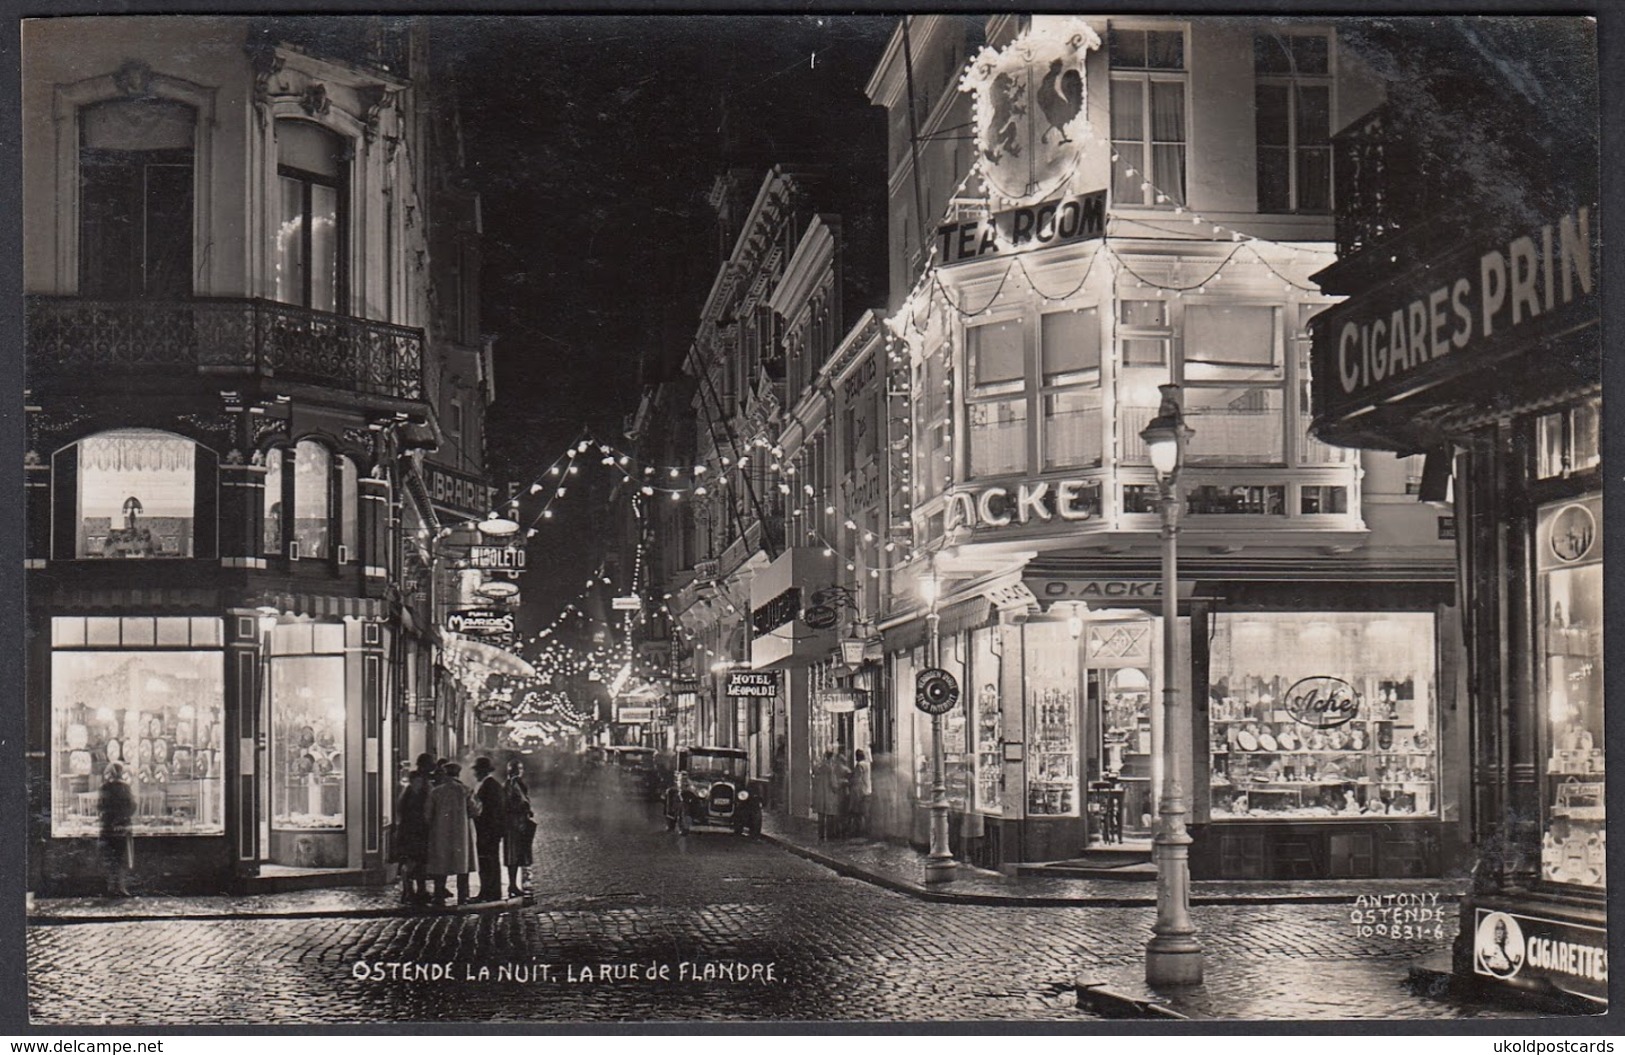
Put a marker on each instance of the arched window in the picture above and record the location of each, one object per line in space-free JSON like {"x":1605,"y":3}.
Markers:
{"x":349,"y":531}
{"x":135,"y":198}
{"x":312,"y":498}
{"x":311,"y":233}
{"x":134,"y":493}
{"x":274,"y":503}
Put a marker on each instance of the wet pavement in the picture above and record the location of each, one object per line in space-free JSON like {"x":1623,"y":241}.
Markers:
{"x":634,"y":923}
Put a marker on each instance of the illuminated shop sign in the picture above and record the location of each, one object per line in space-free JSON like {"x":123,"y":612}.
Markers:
{"x":1092,"y":590}
{"x":1472,"y":306}
{"x":494,"y":558}
{"x":481,"y":621}
{"x":457,"y":493}
{"x":1534,"y":952}
{"x":1040,"y":501}
{"x":1050,"y":223}
{"x":776,"y":613}
{"x":759,"y":684}
{"x":634,"y":715}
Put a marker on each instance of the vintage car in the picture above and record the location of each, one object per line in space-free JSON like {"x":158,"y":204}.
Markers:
{"x":630,"y":772}
{"x":711,"y":787}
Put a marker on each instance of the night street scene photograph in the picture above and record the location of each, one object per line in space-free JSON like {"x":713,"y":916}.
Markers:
{"x":904,"y":519}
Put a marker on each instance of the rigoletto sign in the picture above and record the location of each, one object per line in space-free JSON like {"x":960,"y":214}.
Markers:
{"x":1464,"y":309}
{"x":1040,"y":501}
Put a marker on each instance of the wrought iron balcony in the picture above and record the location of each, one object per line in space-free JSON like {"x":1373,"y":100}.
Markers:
{"x":81,"y":336}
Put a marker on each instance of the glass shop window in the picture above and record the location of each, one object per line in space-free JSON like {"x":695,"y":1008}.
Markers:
{"x":307,"y":741}
{"x":137,"y":489}
{"x":1569,"y":441}
{"x":1323,"y":715}
{"x":1051,"y":656}
{"x":1569,"y":588}
{"x":135,"y":198}
{"x":272,"y":530}
{"x":988,"y":711}
{"x":349,"y":530}
{"x":308,"y":257}
{"x":146,"y":693}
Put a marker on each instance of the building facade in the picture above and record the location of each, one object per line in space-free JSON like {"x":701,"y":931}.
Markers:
{"x":1469,"y":257}
{"x":233,"y":359}
{"x":1116,"y":223}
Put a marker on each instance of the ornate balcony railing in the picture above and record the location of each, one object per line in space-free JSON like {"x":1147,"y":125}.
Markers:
{"x":74,"y":335}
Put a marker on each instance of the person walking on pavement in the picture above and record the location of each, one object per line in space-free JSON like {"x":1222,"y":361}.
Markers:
{"x":519,"y":827}
{"x":115,"y":807}
{"x":489,"y":825}
{"x":448,"y":811}
{"x":412,"y":831}
{"x":840,"y":776}
{"x":860,"y":789}
{"x":820,"y":793}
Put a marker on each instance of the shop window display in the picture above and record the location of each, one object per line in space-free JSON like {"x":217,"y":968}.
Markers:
{"x":136,"y":491}
{"x":989,"y":718}
{"x":312,"y":469}
{"x":1570,"y":591}
{"x":157,"y":710}
{"x":1052,"y":720}
{"x":307,"y":742}
{"x":1323,"y":715}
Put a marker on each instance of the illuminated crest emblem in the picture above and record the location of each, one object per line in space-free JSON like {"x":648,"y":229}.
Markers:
{"x":1031,"y":103}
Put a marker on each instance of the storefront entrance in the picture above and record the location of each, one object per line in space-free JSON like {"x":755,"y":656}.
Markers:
{"x":305,"y":760}
{"x":1121,"y":687}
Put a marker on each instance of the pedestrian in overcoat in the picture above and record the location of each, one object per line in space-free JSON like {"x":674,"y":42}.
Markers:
{"x":860,"y":789}
{"x":449,"y":811}
{"x":519,"y":829}
{"x":115,"y":806}
{"x":489,"y":827}
{"x":411,"y":841}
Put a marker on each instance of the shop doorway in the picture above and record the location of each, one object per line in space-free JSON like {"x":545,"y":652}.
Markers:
{"x":1120,"y":690}
{"x":303,"y":775}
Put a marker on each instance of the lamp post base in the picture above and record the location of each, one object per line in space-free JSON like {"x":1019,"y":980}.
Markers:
{"x":1173,"y":960}
{"x":940,"y":869}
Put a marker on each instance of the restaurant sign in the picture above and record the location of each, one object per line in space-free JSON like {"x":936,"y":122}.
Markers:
{"x":496,"y":558}
{"x":1461,"y":313}
{"x":757,"y":684}
{"x":634,"y":715}
{"x":1040,"y":226}
{"x":1038,"y":501}
{"x":1538,"y":953}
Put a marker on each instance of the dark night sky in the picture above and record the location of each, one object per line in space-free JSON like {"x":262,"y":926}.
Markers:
{"x":593,"y":141}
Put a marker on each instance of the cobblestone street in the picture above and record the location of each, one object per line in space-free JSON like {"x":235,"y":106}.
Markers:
{"x":745,"y":929}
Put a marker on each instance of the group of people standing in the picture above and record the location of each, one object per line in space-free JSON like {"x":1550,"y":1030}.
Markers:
{"x":842,"y":791}
{"x":446,"y":828}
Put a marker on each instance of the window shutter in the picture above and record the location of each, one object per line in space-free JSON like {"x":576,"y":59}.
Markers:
{"x":65,"y":503}
{"x":205,"y":504}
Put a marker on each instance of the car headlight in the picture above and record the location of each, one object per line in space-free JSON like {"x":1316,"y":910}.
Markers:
{"x":702,"y":792}
{"x":744,"y":795}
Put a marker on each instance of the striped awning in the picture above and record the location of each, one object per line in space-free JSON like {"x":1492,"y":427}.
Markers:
{"x":323,"y":606}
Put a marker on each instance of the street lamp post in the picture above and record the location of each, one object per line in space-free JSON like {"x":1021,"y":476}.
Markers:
{"x":940,"y":865}
{"x":1173,"y":956}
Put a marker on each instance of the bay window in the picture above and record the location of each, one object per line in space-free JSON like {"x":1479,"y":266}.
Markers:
{"x":1069,"y":346}
{"x":1021,"y":373}
{"x":135,"y":493}
{"x":1148,"y":116}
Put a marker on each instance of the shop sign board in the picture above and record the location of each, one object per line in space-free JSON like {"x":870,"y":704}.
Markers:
{"x":629,"y":603}
{"x":820,"y":617}
{"x":753,"y":684}
{"x":782,"y":609}
{"x":935,"y":691}
{"x":1443,"y":319}
{"x":634,"y":715}
{"x":1051,"y":223}
{"x":682,"y":686}
{"x":1534,"y":952}
{"x":1103,"y":590}
{"x":459,"y":494}
{"x":494,"y":712}
{"x":843,"y":701}
{"x":1039,"y":501}
{"x":484,"y":622}
{"x":496,"y":558}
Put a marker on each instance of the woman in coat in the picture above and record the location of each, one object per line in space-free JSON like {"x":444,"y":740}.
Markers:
{"x":450,"y":808}
{"x":412,"y":831}
{"x":116,"y":809}
{"x":519,"y":826}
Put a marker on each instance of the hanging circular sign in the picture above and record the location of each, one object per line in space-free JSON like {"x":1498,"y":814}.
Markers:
{"x":935,"y":691}
{"x":820,"y":617}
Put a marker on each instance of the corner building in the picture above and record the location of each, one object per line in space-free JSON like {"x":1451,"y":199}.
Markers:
{"x":233,"y":360}
{"x":1117,"y":221}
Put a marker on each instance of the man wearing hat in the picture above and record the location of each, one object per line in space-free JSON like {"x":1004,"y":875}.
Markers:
{"x":488,"y":826}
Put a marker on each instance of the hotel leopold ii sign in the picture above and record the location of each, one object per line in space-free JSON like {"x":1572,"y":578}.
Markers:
{"x":760,"y":684}
{"x":1537,"y":953}
{"x":1446,"y":318}
{"x":1047,"y":224}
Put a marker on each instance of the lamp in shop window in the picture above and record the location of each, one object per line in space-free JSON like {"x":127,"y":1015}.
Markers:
{"x":1173,"y":956}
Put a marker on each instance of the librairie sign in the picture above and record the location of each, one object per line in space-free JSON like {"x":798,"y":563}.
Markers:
{"x":1457,"y":314}
{"x":496,"y":558}
{"x":1046,"y":224}
{"x":1534,"y":953}
{"x":457,"y":493}
{"x":759,"y":684}
{"x":482,"y":622}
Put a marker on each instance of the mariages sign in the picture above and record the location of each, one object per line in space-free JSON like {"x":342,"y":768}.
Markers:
{"x":482,"y":622}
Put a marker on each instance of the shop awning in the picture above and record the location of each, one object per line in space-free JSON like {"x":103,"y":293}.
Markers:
{"x":482,"y":658}
{"x":324,"y":606}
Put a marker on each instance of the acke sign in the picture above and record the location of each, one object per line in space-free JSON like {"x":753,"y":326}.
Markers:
{"x":1042,"y":501}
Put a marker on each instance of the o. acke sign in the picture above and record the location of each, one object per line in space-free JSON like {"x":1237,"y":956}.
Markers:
{"x":1387,"y":340}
